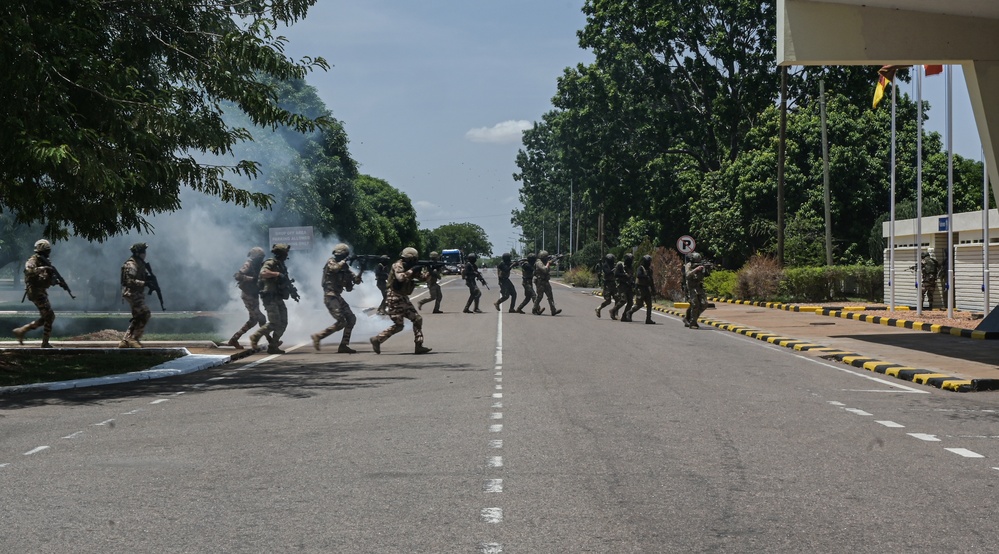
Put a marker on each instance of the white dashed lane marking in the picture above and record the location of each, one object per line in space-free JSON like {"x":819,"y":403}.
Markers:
{"x":495,"y":461}
{"x":964,"y":452}
{"x":924,"y":437}
{"x":891,"y":424}
{"x":36,"y":450}
{"x":106,"y":422}
{"x":492,"y":515}
{"x":160,"y":401}
{"x":493,"y":485}
{"x":857,"y":411}
{"x":73,"y":435}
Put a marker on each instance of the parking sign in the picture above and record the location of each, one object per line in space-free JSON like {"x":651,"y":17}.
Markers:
{"x":686,"y":244}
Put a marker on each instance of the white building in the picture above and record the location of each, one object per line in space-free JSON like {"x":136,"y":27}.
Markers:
{"x":969,"y":274}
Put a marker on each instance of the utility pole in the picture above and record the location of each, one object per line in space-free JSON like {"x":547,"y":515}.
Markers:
{"x":781,"y":158}
{"x":825,"y":172}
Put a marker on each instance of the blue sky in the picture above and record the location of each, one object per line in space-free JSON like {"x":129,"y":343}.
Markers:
{"x":433,"y":95}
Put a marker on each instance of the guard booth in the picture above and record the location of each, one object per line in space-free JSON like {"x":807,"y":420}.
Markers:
{"x":969,"y":260}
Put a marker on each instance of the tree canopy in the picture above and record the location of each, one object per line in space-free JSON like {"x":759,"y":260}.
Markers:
{"x":467,"y":237}
{"x":106,"y":104}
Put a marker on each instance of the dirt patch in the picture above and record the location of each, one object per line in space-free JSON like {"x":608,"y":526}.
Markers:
{"x":103,"y":334}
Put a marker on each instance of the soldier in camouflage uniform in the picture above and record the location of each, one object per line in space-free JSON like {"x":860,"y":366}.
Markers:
{"x":929,"y":270}
{"x":695,"y":271}
{"x":433,"y":276}
{"x":337,"y":277}
{"x":249,"y":292}
{"x":507,"y":290}
{"x":401,"y":282}
{"x":624,"y":277}
{"x":275,"y":287}
{"x":542,"y":280}
{"x":134,"y":280}
{"x":39,"y":275}
{"x":381,"y":280}
{"x":643,"y":284}
{"x":470,"y":273}
{"x":610,"y":287}
{"x":527,"y":269}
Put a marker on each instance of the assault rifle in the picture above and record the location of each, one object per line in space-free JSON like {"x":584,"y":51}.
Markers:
{"x":153,"y":284}
{"x":57,"y":279}
{"x":430,"y":264}
{"x":478,"y":277}
{"x":364,"y":259}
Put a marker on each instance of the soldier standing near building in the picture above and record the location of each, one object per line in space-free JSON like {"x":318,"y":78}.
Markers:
{"x":275,"y":287}
{"x":39,"y":275}
{"x":507,"y":290}
{"x":471,"y":273}
{"x":433,"y":276}
{"x":527,"y":270}
{"x":249,"y":292}
{"x":338,"y":277}
{"x":135,"y":277}
{"x":695,"y":271}
{"x":401,"y":282}
{"x":381,"y":280}
{"x":624,"y":277}
{"x":609,"y":286}
{"x":643,"y":286}
{"x":929,"y":270}
{"x":542,"y":281}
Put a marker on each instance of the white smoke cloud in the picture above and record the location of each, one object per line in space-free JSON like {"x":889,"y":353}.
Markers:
{"x":506,"y":132}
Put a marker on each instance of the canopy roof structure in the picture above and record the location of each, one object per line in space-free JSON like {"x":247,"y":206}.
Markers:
{"x":903,"y":32}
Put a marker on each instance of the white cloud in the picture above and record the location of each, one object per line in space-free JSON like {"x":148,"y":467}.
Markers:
{"x":501,"y":133}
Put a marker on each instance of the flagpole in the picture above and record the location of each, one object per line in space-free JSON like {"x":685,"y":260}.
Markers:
{"x":919,"y":190}
{"x":891,"y":226}
{"x":950,"y":194}
{"x":986,"y":235}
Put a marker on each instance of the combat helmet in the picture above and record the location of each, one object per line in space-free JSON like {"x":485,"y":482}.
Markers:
{"x":696,"y":257}
{"x":629,"y":258}
{"x":646,"y":260}
{"x":43,"y":246}
{"x":409,"y":253}
{"x":255,"y":253}
{"x":610,"y":258}
{"x":506,"y":256}
{"x":434,"y":255}
{"x":139,"y":247}
{"x":280,"y":250}
{"x":472,"y":257}
{"x":531,"y":256}
{"x":543,"y":254}
{"x":341,"y":251}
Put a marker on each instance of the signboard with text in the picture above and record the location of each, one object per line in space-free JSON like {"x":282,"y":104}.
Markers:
{"x":300,"y":238}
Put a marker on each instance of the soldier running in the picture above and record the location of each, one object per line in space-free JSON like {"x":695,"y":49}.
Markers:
{"x":39,"y":275}
{"x":433,"y":276}
{"x":527,"y":269}
{"x":249,"y":292}
{"x":624,"y":277}
{"x":643,"y":284}
{"x":337,"y":277}
{"x":695,"y":271}
{"x":507,"y":290}
{"x":542,"y":280}
{"x":470,"y":272}
{"x":134,"y":280}
{"x":610,"y":287}
{"x":401,"y":282}
{"x":275,"y":287}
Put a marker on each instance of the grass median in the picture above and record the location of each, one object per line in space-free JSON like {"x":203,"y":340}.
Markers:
{"x":30,"y":367}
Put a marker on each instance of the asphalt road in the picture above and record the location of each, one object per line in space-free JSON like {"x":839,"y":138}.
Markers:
{"x":518,"y":433}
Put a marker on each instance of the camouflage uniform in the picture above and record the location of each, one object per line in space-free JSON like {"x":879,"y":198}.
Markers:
{"x":929,"y":269}
{"x":37,"y":279}
{"x":507,"y":290}
{"x":401,"y":282}
{"x":249,"y":292}
{"x":624,"y":276}
{"x":470,"y":272}
{"x":381,"y":281}
{"x":433,"y":275}
{"x":542,"y":280}
{"x":133,"y":289}
{"x":609,"y":286}
{"x":338,"y":277}
{"x":275,"y":287}
{"x":695,"y":272}
{"x":643,"y":282}
{"x":527,"y":269}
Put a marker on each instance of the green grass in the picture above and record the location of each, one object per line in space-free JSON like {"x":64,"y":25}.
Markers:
{"x":29,"y":367}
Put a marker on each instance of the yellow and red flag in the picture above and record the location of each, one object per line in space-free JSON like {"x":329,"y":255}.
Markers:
{"x":933,"y":69}
{"x":886,"y":75}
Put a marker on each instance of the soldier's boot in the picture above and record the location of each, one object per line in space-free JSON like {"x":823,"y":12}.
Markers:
{"x":496,"y":305}
{"x":19,"y":333}
{"x":613,"y":315}
{"x":467,"y":306}
{"x":234,"y":342}
{"x":344,"y":348}
{"x":375,"y":345}
{"x":315,"y":341}
{"x":419,"y":305}
{"x":598,"y":313}
{"x":272,"y":348}
{"x":436,"y":311}
{"x":556,"y":312}
{"x":648,"y":320}
{"x":420,"y":349}
{"x":45,"y":342}
{"x":254,"y":340}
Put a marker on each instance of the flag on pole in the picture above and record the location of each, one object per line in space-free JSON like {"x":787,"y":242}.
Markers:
{"x":886,"y":75}
{"x":933,"y":69}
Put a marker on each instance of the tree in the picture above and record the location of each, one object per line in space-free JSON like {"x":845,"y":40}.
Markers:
{"x":388,"y":220}
{"x":467,"y":237}
{"x":105,"y":105}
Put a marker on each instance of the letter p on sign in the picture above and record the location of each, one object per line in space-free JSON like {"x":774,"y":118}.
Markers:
{"x":686,"y":244}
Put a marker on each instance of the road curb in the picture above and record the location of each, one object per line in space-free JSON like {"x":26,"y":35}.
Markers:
{"x":189,"y":363}
{"x":848,"y":313}
{"x":912,"y":374}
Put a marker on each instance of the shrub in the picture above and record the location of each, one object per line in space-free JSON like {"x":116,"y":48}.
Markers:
{"x":580,"y":277}
{"x":721,"y":283}
{"x":667,"y":271}
{"x":759,"y":279}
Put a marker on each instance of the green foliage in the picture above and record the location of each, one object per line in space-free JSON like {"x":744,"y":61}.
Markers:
{"x":587,"y":256}
{"x":721,"y":283}
{"x":759,"y":279}
{"x":580,"y":276}
{"x":636,"y":231}
{"x":467,"y":237}
{"x":823,"y":284}
{"x":106,"y":104}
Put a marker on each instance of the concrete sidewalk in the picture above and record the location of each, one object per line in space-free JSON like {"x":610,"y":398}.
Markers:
{"x":941,"y":360}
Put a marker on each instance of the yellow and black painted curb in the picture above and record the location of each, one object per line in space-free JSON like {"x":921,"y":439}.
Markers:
{"x":906,"y":373}
{"x":849,"y":312}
